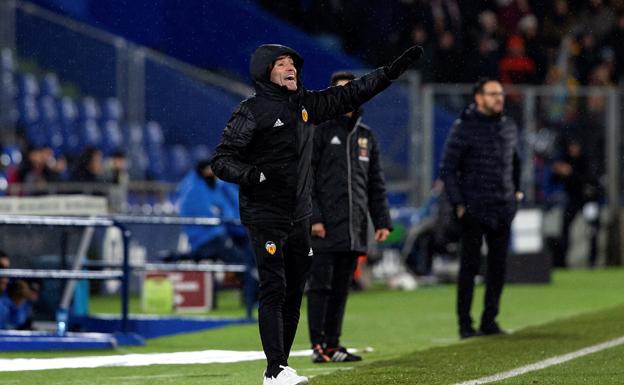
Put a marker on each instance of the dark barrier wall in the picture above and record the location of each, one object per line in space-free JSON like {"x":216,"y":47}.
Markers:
{"x":214,"y":34}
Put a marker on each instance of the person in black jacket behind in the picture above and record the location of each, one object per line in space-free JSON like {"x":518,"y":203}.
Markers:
{"x":266,"y":148}
{"x":481,"y":172}
{"x":348,"y":183}
{"x":580,"y":178}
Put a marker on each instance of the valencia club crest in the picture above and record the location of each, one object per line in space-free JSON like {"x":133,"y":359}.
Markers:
{"x":270,"y":247}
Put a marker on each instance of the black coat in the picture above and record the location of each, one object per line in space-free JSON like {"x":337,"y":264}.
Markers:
{"x":266,"y":146}
{"x":348,"y":184}
{"x":480,"y":166}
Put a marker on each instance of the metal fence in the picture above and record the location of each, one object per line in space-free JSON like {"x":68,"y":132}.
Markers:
{"x":546,"y":116}
{"x":410,"y":119}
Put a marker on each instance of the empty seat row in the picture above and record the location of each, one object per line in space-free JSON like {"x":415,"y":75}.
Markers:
{"x":47,"y":118}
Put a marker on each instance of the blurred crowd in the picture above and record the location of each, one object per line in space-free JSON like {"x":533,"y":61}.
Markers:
{"x":41,"y":167}
{"x":517,"y":41}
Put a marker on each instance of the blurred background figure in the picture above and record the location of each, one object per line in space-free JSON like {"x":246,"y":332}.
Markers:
{"x":116,"y":168}
{"x":481,"y":173}
{"x":14,"y":310}
{"x":35,"y":172}
{"x":201,"y":195}
{"x":88,"y":166}
{"x":349,"y":184}
{"x":583,"y":194}
{"x":5,"y":263}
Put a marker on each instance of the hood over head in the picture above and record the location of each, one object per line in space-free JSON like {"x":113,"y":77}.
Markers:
{"x":262,"y":60}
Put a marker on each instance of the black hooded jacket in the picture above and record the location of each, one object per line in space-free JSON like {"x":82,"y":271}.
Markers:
{"x":266,"y":146}
{"x":348,"y":184}
{"x":480,"y":166}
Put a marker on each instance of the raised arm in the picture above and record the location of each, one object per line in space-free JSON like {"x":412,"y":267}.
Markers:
{"x":334,"y":101}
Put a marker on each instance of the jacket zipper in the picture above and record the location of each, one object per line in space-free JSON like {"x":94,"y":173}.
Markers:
{"x":352,"y":238}
{"x":299,"y":153}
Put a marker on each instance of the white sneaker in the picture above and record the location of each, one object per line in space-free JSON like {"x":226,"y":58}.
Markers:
{"x":288,"y":376}
{"x":267,"y":380}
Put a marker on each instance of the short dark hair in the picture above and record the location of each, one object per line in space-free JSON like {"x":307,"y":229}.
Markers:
{"x":118,"y":153}
{"x":341,"y":75}
{"x":478,"y":86}
{"x":202,"y":165}
{"x":282,"y":56}
{"x":18,"y":289}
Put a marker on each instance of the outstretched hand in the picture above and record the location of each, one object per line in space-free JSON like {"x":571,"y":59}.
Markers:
{"x":403,"y":62}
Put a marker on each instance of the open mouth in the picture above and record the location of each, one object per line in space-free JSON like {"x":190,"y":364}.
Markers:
{"x":290,"y":77}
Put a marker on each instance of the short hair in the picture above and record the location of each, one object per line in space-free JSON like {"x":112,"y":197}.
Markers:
{"x":282,"y":56}
{"x":202,"y":165}
{"x":478,"y":86}
{"x":341,"y":75}
{"x":118,"y":153}
{"x":18,"y":289}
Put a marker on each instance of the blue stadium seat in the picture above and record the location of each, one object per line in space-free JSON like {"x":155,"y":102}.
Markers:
{"x":137,"y":164}
{"x":8,"y":93}
{"x":200,"y":152}
{"x":154,"y":135}
{"x":90,"y":134}
{"x":68,"y":113}
{"x":11,"y":156}
{"x":7,"y":62}
{"x":27,"y":85}
{"x":112,"y":137}
{"x":8,"y":90}
{"x":133,"y":136}
{"x":156,"y":163}
{"x":4,"y":184}
{"x":88,"y":109}
{"x":50,"y":118}
{"x":135,"y":150}
{"x":112,"y":109}
{"x":28,"y":110}
{"x":49,"y":85}
{"x":180,"y":162}
{"x":30,"y":120}
{"x":48,"y":109}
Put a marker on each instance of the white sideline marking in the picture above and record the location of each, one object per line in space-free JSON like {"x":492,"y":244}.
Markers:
{"x":177,"y":358}
{"x":546,"y":363}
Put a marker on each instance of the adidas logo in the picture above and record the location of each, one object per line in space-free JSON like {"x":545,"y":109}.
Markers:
{"x":262,"y":177}
{"x":278,"y":123}
{"x":335,"y":140}
{"x":311,"y":253}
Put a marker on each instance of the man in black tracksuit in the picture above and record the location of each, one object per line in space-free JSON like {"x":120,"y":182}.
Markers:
{"x":348,"y":183}
{"x":266,"y":148}
{"x":481,"y":171}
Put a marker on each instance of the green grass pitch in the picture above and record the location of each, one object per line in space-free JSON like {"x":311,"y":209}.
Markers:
{"x":414,"y":338}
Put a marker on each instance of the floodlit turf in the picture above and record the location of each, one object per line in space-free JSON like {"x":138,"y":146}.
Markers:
{"x":604,"y":368}
{"x":481,"y":357}
{"x":414,"y":337}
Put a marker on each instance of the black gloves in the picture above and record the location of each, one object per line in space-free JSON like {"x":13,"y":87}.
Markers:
{"x":403,"y":62}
